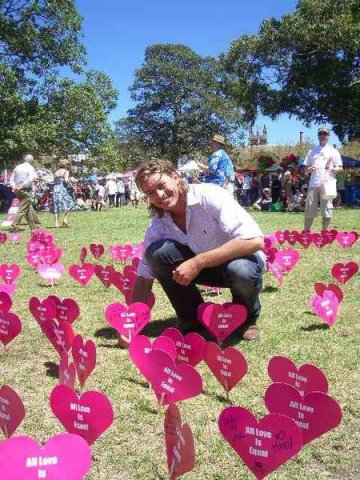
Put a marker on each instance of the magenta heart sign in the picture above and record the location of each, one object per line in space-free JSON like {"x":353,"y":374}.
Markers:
{"x":346,"y":239}
{"x":222,"y":320}
{"x":326,"y":306}
{"x":66,"y":309}
{"x":88,"y":416}
{"x":287,"y":258}
{"x":42,"y":309}
{"x":97,"y":250}
{"x":64,"y":456}
{"x":343,"y":272}
{"x":84,"y":355}
{"x":128,"y":321}
{"x":263,"y":446}
{"x":10,"y":327}
{"x":307,"y":378}
{"x":189,"y":349}
{"x":60,"y":335}
{"x":9,"y":272}
{"x":5,"y":302}
{"x":12,"y":410}
{"x":82,"y":273}
{"x":315,"y":414}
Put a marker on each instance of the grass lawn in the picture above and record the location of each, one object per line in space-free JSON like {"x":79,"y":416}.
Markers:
{"x":133,"y":448}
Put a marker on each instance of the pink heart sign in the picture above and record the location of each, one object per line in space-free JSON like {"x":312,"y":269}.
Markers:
{"x":104,"y":274}
{"x":128,"y":321}
{"x":326,"y":306}
{"x":141,"y":346}
{"x":315,"y":414}
{"x":305,"y":239}
{"x":82,"y":273}
{"x":33,"y":259}
{"x":88,"y":416}
{"x":10,"y":327}
{"x":346,"y":239}
{"x":275,"y":270}
{"x":5,"y":302}
{"x":307,"y":378}
{"x":179,"y":442}
{"x":291,"y":237}
{"x":330,"y":235}
{"x":51,"y":273}
{"x":9,"y":272}
{"x":189,"y":349}
{"x":172,"y":383}
{"x":321,"y":287}
{"x":12,"y":411}
{"x":8,"y":289}
{"x":66,"y":309}
{"x":222,"y":320}
{"x":97,"y":250}
{"x":42,"y":310}
{"x":287,"y":258}
{"x":280,"y":236}
{"x":3,"y":237}
{"x":67,"y":372}
{"x":60,"y":336}
{"x":120,"y":252}
{"x":52,"y":256}
{"x":228,"y":366}
{"x":344,"y":271}
{"x":84,"y":355}
{"x":64,"y":456}
{"x":263,"y":446}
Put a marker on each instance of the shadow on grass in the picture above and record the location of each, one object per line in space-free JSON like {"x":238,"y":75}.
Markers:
{"x":221,"y":398}
{"x":270,"y":289}
{"x":315,"y":326}
{"x":141,"y":383}
{"x":106,"y":332}
{"x":310,"y":313}
{"x":110,"y":345}
{"x":52,"y":369}
{"x":156,"y":327}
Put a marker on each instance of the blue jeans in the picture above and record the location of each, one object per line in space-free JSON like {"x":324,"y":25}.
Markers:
{"x":242,"y":275}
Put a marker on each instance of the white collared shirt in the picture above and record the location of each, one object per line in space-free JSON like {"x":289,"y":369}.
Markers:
{"x":23,"y":176}
{"x":213,"y":218}
{"x":319,"y":157}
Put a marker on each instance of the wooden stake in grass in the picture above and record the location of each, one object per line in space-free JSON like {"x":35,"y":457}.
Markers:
{"x":5,"y":430}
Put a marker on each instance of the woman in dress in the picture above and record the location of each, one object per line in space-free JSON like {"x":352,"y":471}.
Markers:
{"x":62,"y":201}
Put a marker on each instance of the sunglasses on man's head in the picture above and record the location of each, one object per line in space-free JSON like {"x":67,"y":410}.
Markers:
{"x":322,"y":134}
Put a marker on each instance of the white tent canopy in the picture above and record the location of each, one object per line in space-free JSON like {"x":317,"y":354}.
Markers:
{"x":189,"y":167}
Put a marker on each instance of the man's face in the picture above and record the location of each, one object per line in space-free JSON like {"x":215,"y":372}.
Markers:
{"x":214,"y":145}
{"x":162,"y":191}
{"x":323,"y":137}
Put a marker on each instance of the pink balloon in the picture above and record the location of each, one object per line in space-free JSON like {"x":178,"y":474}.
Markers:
{"x":343,"y":272}
{"x":189,"y":349}
{"x":82,"y":273}
{"x":84,"y":355}
{"x":222,"y":320}
{"x":128,"y":321}
{"x":12,"y":410}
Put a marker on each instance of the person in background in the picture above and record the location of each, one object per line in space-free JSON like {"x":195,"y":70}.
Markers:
{"x":275,"y":188}
{"x":100,"y":193}
{"x":220,"y":167}
{"x":264,"y":203}
{"x":62,"y":201}
{"x":120,"y":195}
{"x":21,"y":182}
{"x":111,"y":189}
{"x":246,"y":199}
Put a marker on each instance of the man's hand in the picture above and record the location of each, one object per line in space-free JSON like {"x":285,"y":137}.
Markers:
{"x":185,"y":273}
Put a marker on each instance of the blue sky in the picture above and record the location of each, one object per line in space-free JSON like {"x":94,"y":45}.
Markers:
{"x":117,"y":32}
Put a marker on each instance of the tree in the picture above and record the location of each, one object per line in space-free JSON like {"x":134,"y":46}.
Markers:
{"x":179,"y":102}
{"x":306,"y":64}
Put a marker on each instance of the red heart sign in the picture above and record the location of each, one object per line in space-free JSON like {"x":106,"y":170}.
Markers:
{"x":150,"y":301}
{"x":67,"y":372}
{"x":82,"y":273}
{"x":104,"y":274}
{"x":291,"y":237}
{"x":315,"y":414}
{"x":42,"y":310}
{"x":5,"y":302}
{"x":263,"y":446}
{"x":12,"y":410}
{"x":66,"y":309}
{"x":305,"y":239}
{"x":344,"y":271}
{"x":222,"y":320}
{"x":321,"y":287}
{"x":228,"y":366}
{"x":3,"y":237}
{"x":9,"y":272}
{"x":189,"y":349}
{"x":128,"y":321}
{"x":319,"y":240}
{"x":179,"y":442}
{"x":83,"y":254}
{"x":97,"y":250}
{"x":88,"y":416}
{"x":307,"y":378}
{"x":280,"y":236}
{"x":60,"y":336}
{"x":330,"y":235}
{"x":10,"y":327}
{"x":84,"y":356}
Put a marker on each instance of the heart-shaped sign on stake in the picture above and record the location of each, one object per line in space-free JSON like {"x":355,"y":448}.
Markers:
{"x":104,"y":274}
{"x":291,"y":237}
{"x":97,"y":250}
{"x":12,"y":411}
{"x":66,"y":309}
{"x":150,"y":301}
{"x":51,"y":273}
{"x":346,"y":239}
{"x":67,"y":372}
{"x":8,"y":289}
{"x":326,"y":306}
{"x":128,"y":321}
{"x":82,"y":273}
{"x":228,"y":366}
{"x":10,"y":327}
{"x":60,"y":335}
{"x":15,"y":237}
{"x":189,"y":349}
{"x":179,"y":442}
{"x":280,"y":236}
{"x":263,"y":446}
{"x":5,"y":302}
{"x":88,"y":416}
{"x":276,"y":270}
{"x":83,"y":254}
{"x":64,"y":456}
{"x":42,"y":309}
{"x":342,"y":272}
{"x":319,"y":240}
{"x":141,"y":346}
{"x":33,"y":259}
{"x":307,"y":378}
{"x":84,"y":355}
{"x":222,"y":320}
{"x":172,"y":383}
{"x":3,"y":237}
{"x":287,"y":258}
{"x":305,"y":239}
{"x":321,"y":287}
{"x":9,"y":272}
{"x":330,"y":235}
{"x":315,"y":414}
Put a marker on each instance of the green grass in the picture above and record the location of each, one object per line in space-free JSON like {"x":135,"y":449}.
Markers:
{"x":133,"y":448}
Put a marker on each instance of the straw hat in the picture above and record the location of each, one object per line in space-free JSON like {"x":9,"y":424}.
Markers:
{"x":218,"y":138}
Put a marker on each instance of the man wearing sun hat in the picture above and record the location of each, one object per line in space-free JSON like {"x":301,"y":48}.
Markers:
{"x":220,"y":167}
{"x":322,"y":160}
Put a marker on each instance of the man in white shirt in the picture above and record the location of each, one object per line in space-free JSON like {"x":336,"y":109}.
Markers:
{"x":21,"y":182}
{"x":321,"y":161}
{"x":111,"y":189}
{"x":199,"y":235}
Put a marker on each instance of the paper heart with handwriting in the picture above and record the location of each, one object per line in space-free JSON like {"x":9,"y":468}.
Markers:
{"x":42,"y":309}
{"x":172,"y":383}
{"x":305,"y":239}
{"x":59,"y":335}
{"x":15,"y":237}
{"x":291,"y":236}
{"x":10,"y":327}
{"x":32,"y":246}
{"x":67,"y":372}
{"x":325,"y":306}
{"x":330,"y":235}
{"x":89,"y":415}
{"x":137,"y":251}
{"x":51,"y":273}
{"x":9,"y":272}
{"x":280,"y":236}
{"x":33,"y":259}
{"x":321,"y":287}
{"x":343,"y":272}
{"x":104,"y":274}
{"x":319,"y":240}
{"x":346,"y":239}
{"x":5,"y":302}
{"x":3,"y":237}
{"x":228,"y":366}
{"x":223,"y":320}
{"x":190,"y":348}
{"x":82,"y":273}
{"x":120,"y":252}
{"x":269,"y":241}
{"x":52,"y":255}
{"x":277,"y":271}
{"x":84,"y":355}
{"x":179,"y":442}
{"x":8,"y":289}
{"x":150,"y":301}
{"x":12,"y":410}
{"x":315,"y":413}
{"x":128,"y":321}
{"x":141,"y":346}
{"x":263,"y":445}
{"x":63,"y":456}
{"x":270,"y":254}
{"x":66,"y":309}
{"x":307,"y":378}
{"x":287,"y":258}
{"x":97,"y":250}
{"x":83,"y":254}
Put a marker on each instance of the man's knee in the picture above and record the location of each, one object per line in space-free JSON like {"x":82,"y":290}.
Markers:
{"x":166,"y":252}
{"x":244,"y":271}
